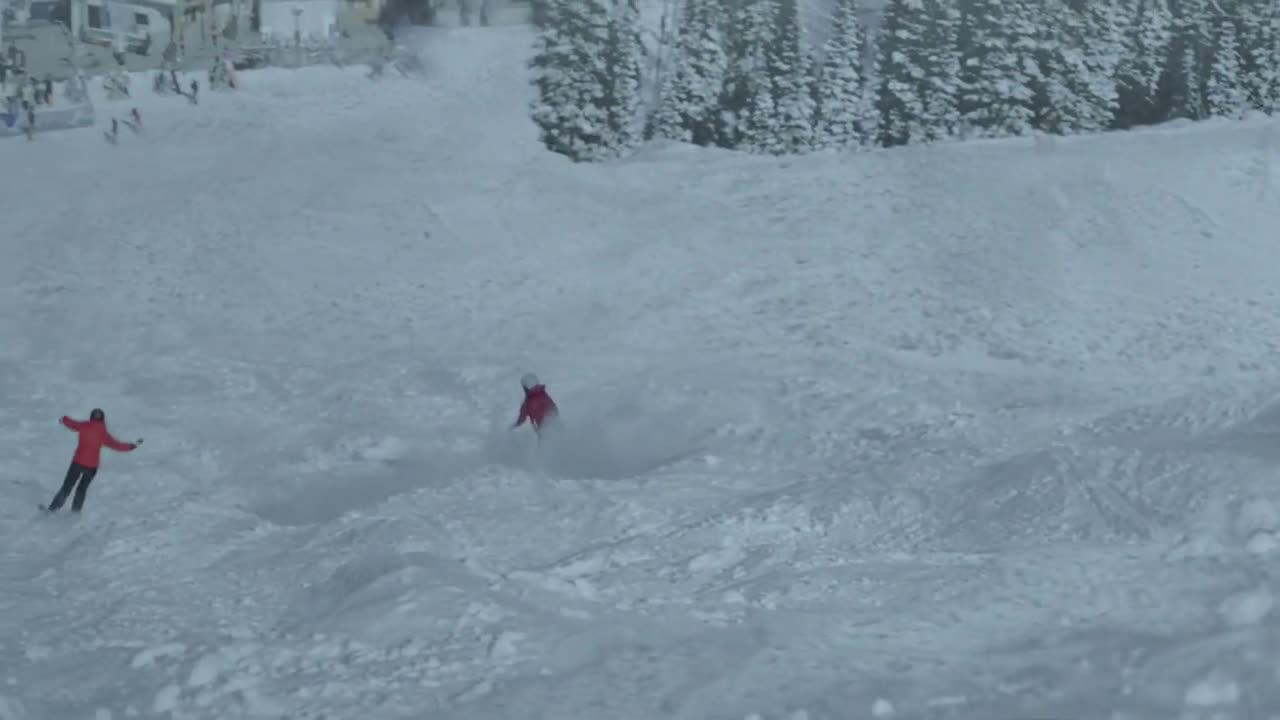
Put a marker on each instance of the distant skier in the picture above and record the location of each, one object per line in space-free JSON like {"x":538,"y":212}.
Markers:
{"x":134,"y":122}
{"x":538,"y":407}
{"x":84,"y":465}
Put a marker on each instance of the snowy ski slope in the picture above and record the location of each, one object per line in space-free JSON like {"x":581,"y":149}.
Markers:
{"x":984,"y":432}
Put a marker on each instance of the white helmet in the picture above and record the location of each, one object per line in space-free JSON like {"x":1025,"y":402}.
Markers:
{"x":529,"y":381}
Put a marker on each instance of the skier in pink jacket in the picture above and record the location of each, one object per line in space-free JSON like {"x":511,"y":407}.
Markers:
{"x":538,"y":407}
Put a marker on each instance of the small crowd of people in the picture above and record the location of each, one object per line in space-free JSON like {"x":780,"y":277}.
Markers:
{"x":21,"y":93}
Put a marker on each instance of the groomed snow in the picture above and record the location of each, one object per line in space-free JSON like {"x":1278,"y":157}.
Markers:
{"x":983,"y":431}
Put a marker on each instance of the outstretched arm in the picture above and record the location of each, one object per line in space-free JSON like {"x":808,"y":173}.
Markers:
{"x":118,"y":446}
{"x":524,"y":414}
{"x":75,"y":425}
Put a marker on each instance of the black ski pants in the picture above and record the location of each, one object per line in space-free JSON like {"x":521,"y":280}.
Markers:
{"x":78,"y":479}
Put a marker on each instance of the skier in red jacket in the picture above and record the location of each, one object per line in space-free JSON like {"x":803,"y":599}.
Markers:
{"x":538,"y":407}
{"x":84,"y":465}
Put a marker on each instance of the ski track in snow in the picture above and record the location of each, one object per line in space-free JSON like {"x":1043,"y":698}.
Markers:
{"x":978,"y":431}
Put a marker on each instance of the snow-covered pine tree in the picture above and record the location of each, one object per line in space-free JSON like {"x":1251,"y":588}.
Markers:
{"x":840,"y":82}
{"x":1103,"y":46}
{"x":1066,"y":98}
{"x":689,"y":109}
{"x":624,"y":58}
{"x":1146,"y":31}
{"x":1258,"y":35}
{"x":1269,"y":56}
{"x":1227,"y":92}
{"x":790,"y":71}
{"x":568,"y":71}
{"x":999,"y":71}
{"x":748,"y":117}
{"x":1269,"y":62}
{"x":900,"y":97}
{"x":941,"y":60}
{"x":1190,"y":50}
{"x":917,"y":71}
{"x":587,"y":75}
{"x":967,"y":40}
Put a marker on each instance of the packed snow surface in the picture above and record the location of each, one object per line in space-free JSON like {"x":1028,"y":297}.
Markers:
{"x":982,"y":431}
